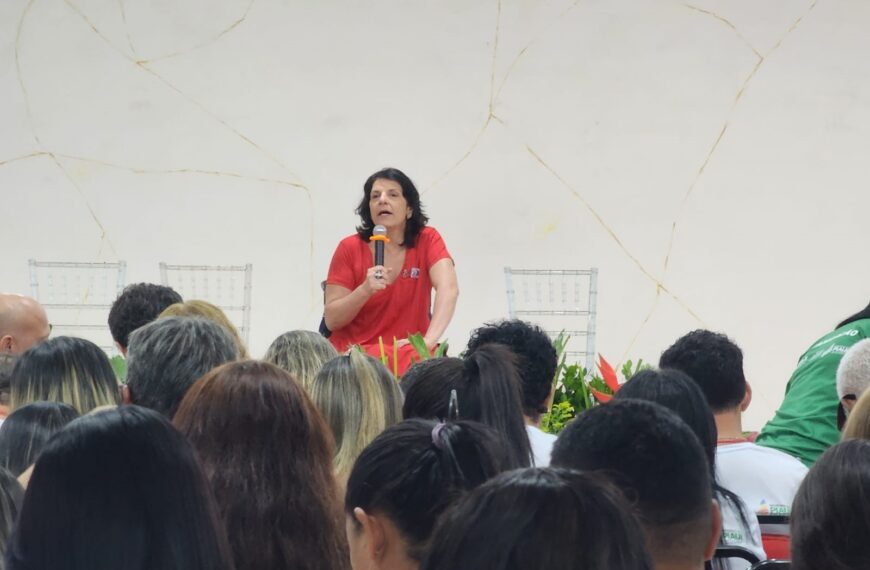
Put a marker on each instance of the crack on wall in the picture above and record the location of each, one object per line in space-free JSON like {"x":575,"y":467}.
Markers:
{"x":737,"y":98}
{"x":203,"y":44}
{"x":728,"y":23}
{"x":133,"y":51}
{"x":37,"y":154}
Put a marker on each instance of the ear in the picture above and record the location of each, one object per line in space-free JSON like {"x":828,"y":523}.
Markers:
{"x":373,"y":529}
{"x":6,"y":343}
{"x":126,"y":395}
{"x":747,"y":398}
{"x":715,"y":531}
{"x":848,"y":404}
{"x":121,"y":349}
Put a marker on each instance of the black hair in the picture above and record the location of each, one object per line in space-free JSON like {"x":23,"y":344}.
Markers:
{"x":677,"y":392}
{"x":658,"y":462}
{"x":138,"y":305}
{"x":7,"y":364}
{"x":118,"y":489}
{"x":418,"y":218}
{"x":714,"y":362}
{"x":11,"y":497}
{"x":830,"y":517}
{"x":488,"y":390}
{"x":25,"y":432}
{"x":536,"y":359}
{"x":860,"y":315}
{"x":540,"y":518}
{"x":416,"y":469}
{"x":65,"y":369}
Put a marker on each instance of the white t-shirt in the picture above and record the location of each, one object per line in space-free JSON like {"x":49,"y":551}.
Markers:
{"x":734,"y":533}
{"x":542,"y":445}
{"x":765,"y":478}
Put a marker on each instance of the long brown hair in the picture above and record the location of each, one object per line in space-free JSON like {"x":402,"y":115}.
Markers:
{"x":268,"y":455}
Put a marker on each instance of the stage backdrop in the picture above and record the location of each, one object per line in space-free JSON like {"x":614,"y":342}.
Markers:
{"x":710,"y":158}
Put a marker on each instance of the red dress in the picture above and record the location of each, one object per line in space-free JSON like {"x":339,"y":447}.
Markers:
{"x":398,"y":311}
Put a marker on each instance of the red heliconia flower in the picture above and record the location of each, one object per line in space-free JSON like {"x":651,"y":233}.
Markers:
{"x":608,"y":373}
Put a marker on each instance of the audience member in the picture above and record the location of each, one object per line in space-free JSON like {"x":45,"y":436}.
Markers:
{"x":136,"y":306}
{"x":27,"y":430}
{"x":806,"y":422}
{"x":405,"y":479}
{"x":359,"y":399}
{"x":23,"y":323}
{"x":488,"y":391}
{"x":65,"y":369}
{"x":302,"y":354}
{"x":7,"y":364}
{"x":831,"y":518}
{"x":11,"y":497}
{"x":858,"y":423}
{"x":536,"y":365}
{"x":118,"y":489}
{"x":206,"y":310}
{"x":167,"y":356}
{"x":765,"y":478}
{"x":268,"y":455}
{"x":540,"y":518}
{"x":853,"y":376}
{"x":656,"y":459}
{"x":677,"y":392}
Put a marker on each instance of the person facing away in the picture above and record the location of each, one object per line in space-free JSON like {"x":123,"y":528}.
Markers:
{"x":657,"y":461}
{"x":853,"y":377}
{"x":406,"y":479}
{"x":805,"y":424}
{"x":765,"y":478}
{"x":536,"y":365}
{"x":23,"y":323}
{"x":136,"y":306}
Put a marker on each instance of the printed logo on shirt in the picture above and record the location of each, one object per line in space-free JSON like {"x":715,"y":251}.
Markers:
{"x":730,"y":536}
{"x":415,"y":273}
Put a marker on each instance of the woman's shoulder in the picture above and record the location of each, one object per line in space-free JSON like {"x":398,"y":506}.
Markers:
{"x":351,"y":241}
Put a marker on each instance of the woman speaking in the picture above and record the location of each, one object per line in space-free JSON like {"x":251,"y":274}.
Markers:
{"x":366,"y":303}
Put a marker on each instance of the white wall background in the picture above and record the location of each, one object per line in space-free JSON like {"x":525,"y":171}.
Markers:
{"x":710,"y":158}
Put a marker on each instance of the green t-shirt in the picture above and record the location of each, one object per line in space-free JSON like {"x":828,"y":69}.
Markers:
{"x":806,"y":423}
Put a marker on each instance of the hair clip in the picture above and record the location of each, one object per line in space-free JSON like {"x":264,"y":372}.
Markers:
{"x":453,"y":406}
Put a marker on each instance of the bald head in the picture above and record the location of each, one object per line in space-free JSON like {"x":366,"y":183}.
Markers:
{"x":23,"y":323}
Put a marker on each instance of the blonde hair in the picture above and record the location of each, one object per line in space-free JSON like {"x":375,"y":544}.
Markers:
{"x":302,"y":354}
{"x":197,"y":308}
{"x":359,"y":399}
{"x":858,"y":423}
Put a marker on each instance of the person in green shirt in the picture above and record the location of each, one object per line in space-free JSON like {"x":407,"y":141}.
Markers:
{"x":805,"y":425}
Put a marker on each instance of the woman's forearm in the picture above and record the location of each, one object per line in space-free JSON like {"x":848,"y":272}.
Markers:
{"x":442,"y":313}
{"x":341,"y":311}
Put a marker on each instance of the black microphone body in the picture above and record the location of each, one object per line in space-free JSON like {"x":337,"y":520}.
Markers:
{"x":379,"y":252}
{"x":379,"y":235}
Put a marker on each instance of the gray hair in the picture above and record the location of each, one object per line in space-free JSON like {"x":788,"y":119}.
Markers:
{"x":853,"y":373}
{"x":302,"y":354}
{"x":167,"y":356}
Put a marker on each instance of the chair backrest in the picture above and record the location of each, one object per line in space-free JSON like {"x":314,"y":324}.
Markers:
{"x":557,"y":300}
{"x":731,"y":551}
{"x":226,"y":286}
{"x":77,"y":296}
{"x":772,"y":565}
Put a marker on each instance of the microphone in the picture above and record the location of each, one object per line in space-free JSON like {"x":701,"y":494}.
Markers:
{"x":379,"y":236}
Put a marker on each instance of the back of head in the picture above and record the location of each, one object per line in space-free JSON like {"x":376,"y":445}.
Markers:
{"x":416,"y":469}
{"x":167,"y":356}
{"x":26,"y":431}
{"x":714,"y":362}
{"x":656,"y":459}
{"x":540,"y":518}
{"x":858,"y":423}
{"x":23,"y":323}
{"x":118,"y":489}
{"x":536,"y":359}
{"x":830,"y":517}
{"x":65,"y":369}
{"x":302,"y":354}
{"x":136,"y":306}
{"x":359,"y":399}
{"x":268,"y":455}
{"x":859,"y":316}
{"x":11,"y":497}
{"x":204,"y":309}
{"x":488,"y":391}
{"x":853,"y":373}
{"x":7,"y":365}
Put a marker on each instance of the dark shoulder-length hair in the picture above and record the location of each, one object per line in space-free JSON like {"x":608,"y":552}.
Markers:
{"x":418,"y":217}
{"x":27,"y":430}
{"x":488,"y":390}
{"x":862,"y":314}
{"x":268,"y":456}
{"x":118,"y":489}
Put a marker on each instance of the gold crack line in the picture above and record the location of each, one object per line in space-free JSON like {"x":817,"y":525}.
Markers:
{"x":522,"y":52}
{"x":715,"y":146}
{"x":24,"y":157}
{"x":494,"y":61}
{"x":104,"y":236}
{"x":642,"y":325}
{"x":728,"y":23}
{"x":464,"y":157}
{"x":160,"y":78}
{"x":127,"y":29}
{"x":205,"y":43}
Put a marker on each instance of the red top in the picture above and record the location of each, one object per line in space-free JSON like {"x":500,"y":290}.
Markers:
{"x":401,"y":309}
